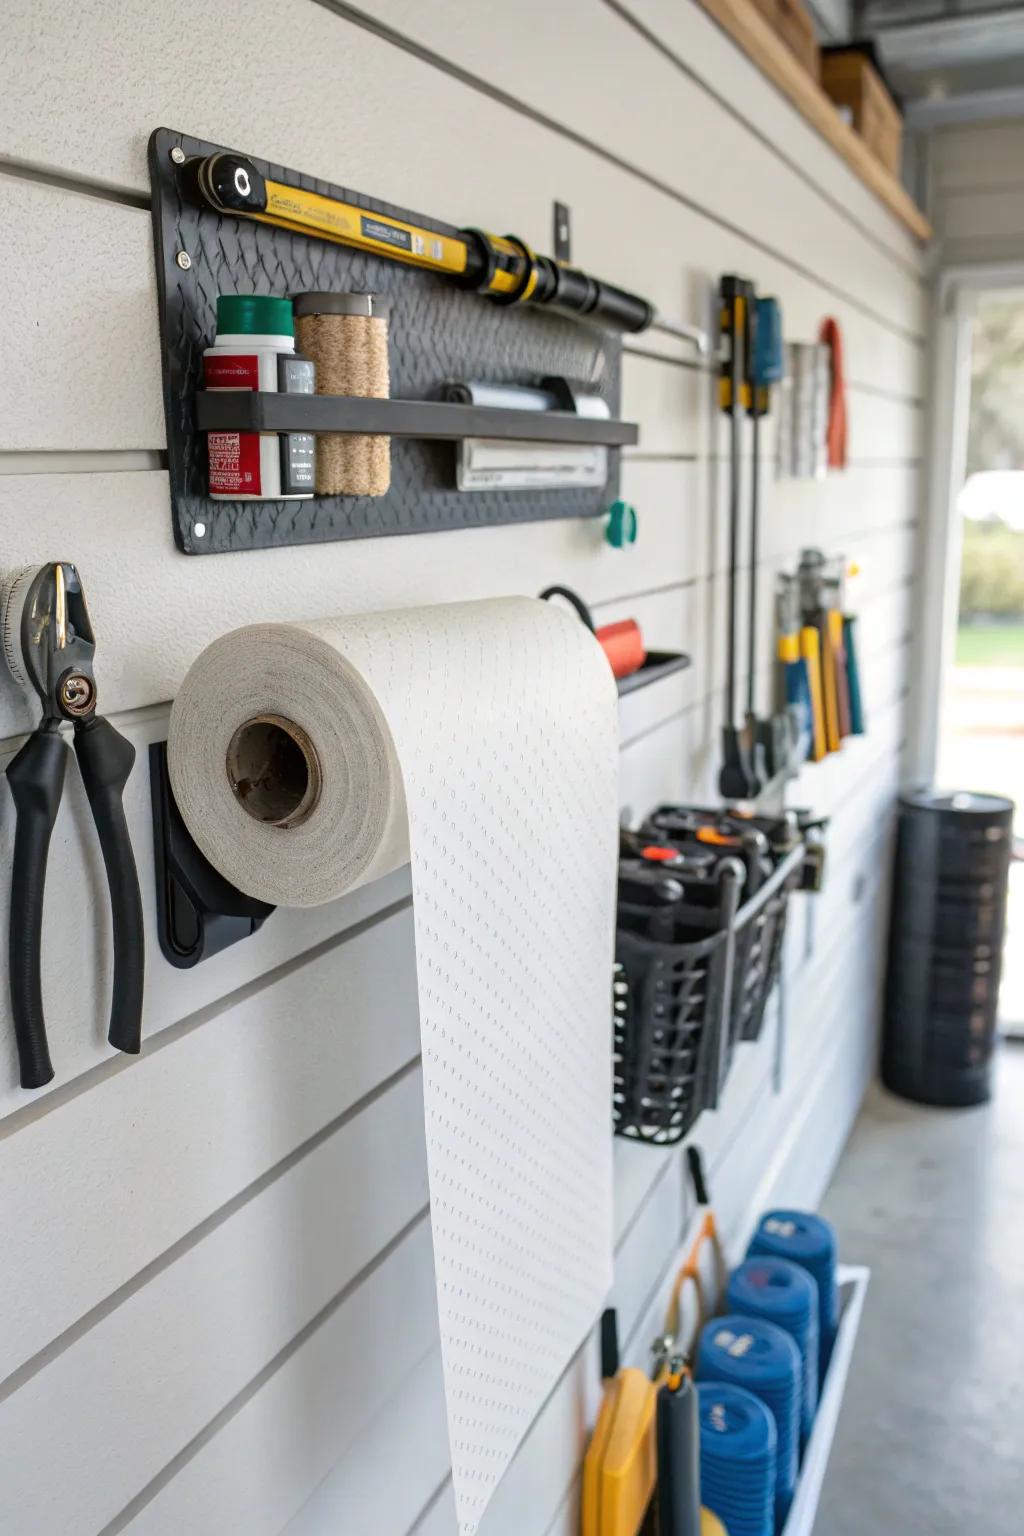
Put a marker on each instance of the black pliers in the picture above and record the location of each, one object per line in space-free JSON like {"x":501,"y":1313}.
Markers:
{"x":49,"y":644}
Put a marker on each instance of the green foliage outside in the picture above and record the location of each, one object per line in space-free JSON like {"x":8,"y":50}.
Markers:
{"x":995,"y":436}
{"x":992,"y":572}
{"x":990,"y":645}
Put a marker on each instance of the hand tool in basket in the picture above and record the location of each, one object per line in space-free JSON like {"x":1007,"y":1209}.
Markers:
{"x":714,"y":830}
{"x":49,"y":644}
{"x":656,"y":876}
{"x":741,"y":775}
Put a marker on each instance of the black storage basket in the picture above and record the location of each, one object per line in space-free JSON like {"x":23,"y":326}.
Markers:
{"x":669,"y":1004}
{"x":760,"y":932}
{"x":760,"y":925}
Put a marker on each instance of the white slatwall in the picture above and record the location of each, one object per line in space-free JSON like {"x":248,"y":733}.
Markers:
{"x":217,"y":1306}
{"x":977,"y":191}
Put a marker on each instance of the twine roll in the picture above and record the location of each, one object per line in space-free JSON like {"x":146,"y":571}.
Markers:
{"x":346,"y":335}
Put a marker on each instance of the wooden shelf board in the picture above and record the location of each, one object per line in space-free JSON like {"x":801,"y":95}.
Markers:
{"x":751,"y":32}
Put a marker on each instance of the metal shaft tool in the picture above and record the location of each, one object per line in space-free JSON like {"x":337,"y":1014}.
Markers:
{"x":49,"y":644}
{"x":738,"y":777}
{"x":771,"y":734}
{"x":501,"y":266}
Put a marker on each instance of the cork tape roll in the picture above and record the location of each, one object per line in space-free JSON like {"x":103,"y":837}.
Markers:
{"x":479,"y":741}
{"x":346,"y":335}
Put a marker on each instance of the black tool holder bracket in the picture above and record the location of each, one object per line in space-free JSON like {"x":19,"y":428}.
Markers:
{"x":438,"y":333}
{"x":199,"y":913}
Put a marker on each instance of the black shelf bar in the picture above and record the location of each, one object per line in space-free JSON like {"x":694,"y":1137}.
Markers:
{"x":239,"y":410}
{"x":659,"y":664}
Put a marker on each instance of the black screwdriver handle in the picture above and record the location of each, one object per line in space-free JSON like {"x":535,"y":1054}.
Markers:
{"x":36,"y":777}
{"x":105,"y":759}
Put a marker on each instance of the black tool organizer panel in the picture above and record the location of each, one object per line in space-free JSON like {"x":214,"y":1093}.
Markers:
{"x":438,"y":333}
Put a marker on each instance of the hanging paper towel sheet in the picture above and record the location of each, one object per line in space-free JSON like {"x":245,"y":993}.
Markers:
{"x":479,"y":740}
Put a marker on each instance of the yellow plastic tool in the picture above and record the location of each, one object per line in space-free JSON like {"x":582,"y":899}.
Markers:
{"x":620,"y":1469}
{"x":710,"y":1525}
{"x":621,"y":1464}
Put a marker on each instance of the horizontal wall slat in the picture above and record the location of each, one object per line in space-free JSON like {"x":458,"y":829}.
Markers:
{"x":646,"y":114}
{"x":353,"y":78}
{"x":115,"y":310}
{"x":218,"y":1309}
{"x":976,"y":155}
{"x":153,"y":1373}
{"x":79,"y":966}
{"x":122,"y":1172}
{"x":703,"y":47}
{"x":190,"y":601}
{"x":256,"y":1472}
{"x":540,"y":1478}
{"x":362,"y":1493}
{"x":76,"y":950}
{"x":654,"y":1218}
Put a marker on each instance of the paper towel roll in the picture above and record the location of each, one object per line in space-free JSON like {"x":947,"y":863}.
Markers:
{"x":480,"y":741}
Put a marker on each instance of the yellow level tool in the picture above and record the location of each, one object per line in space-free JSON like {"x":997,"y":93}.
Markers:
{"x":501,"y":266}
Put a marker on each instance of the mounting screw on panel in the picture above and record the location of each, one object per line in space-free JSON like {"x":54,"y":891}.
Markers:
{"x":178,"y":155}
{"x":563,"y":232}
{"x":184,"y":260}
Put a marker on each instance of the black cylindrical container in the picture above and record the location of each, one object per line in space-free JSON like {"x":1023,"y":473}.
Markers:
{"x":945,"y":946}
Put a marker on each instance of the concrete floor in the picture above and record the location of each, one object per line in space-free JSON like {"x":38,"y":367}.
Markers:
{"x":931,"y":1437}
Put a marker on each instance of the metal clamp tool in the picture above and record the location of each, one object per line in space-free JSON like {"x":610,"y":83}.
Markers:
{"x":49,"y":644}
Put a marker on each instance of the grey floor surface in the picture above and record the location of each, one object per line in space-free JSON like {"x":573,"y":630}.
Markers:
{"x":931,"y":1436}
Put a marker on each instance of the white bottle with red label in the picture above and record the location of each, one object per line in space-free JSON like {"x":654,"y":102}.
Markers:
{"x":253,"y":331}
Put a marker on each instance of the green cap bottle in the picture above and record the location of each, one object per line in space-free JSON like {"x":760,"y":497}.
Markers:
{"x":254,"y":314}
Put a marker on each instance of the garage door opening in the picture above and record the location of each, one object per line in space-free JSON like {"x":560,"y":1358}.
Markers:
{"x":982,"y":732}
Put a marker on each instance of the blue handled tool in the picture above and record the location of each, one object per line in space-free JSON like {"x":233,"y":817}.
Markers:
{"x":853,"y":675}
{"x":795,"y":681}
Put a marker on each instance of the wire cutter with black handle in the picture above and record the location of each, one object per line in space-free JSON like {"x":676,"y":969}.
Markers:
{"x":49,"y":644}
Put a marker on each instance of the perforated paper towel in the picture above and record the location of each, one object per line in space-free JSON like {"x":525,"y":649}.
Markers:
{"x":481,"y":741}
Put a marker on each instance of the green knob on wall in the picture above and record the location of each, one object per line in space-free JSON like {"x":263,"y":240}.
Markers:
{"x":622,"y":525}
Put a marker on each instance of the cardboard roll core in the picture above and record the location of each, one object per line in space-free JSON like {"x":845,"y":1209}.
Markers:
{"x":274,"y":770}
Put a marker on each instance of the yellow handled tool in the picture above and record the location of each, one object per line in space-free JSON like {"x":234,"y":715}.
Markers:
{"x":829,"y":689}
{"x":810,"y":650}
{"x":620,"y":1469}
{"x":621,"y":1465}
{"x":501,"y":266}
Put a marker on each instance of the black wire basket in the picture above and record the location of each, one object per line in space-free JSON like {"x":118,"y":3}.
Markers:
{"x":759,"y":935}
{"x":670,"y":997}
{"x":694,"y":972}
{"x":772,"y":859}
